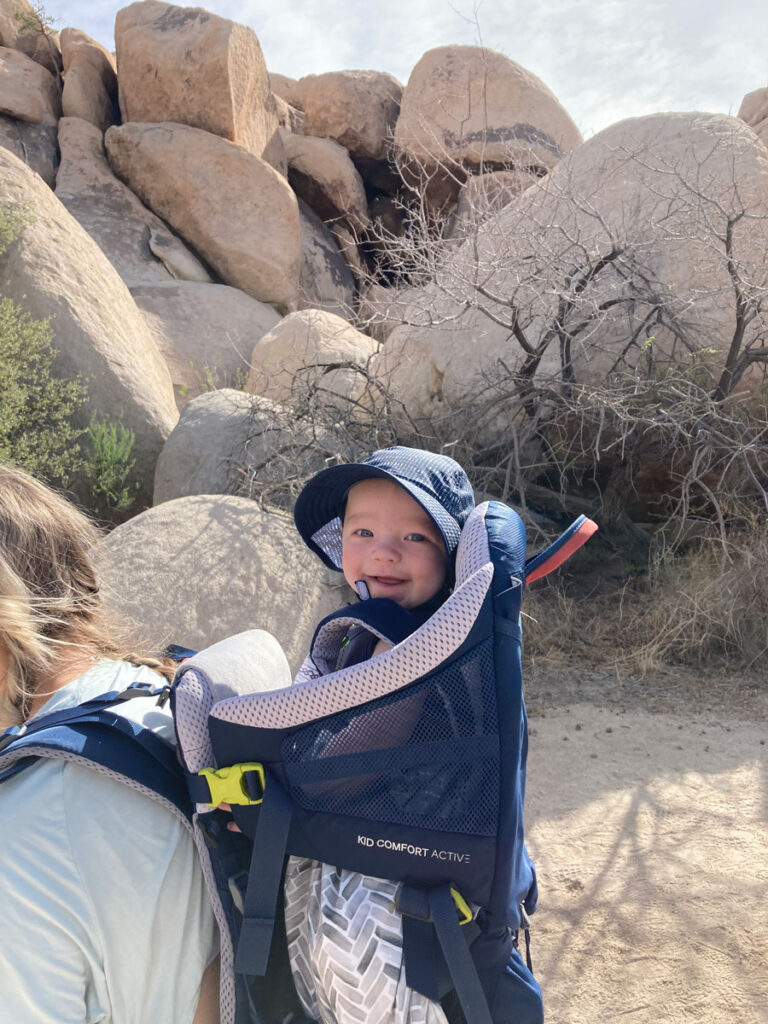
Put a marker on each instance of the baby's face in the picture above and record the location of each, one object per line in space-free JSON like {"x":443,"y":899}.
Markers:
{"x":390,"y":543}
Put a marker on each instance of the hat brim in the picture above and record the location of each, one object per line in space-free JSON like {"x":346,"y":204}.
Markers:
{"x":322,"y":501}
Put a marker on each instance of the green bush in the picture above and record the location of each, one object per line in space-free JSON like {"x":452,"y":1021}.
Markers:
{"x":39,"y":409}
{"x":13,"y":218}
{"x":109,"y":466}
{"x":36,"y":430}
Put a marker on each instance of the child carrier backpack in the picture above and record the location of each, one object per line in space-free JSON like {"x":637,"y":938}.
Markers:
{"x":409,"y":766}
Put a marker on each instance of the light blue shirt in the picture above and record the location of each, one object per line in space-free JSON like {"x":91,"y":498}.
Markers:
{"x":103,"y":911}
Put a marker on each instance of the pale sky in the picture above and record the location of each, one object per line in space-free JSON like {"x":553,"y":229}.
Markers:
{"x":604,"y":59}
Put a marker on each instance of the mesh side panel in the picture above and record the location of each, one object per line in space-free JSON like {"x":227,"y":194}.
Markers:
{"x":432,"y":769}
{"x":472,"y":552}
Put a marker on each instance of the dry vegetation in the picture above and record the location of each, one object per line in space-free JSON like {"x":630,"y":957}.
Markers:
{"x":667,"y":448}
{"x":699,"y":598}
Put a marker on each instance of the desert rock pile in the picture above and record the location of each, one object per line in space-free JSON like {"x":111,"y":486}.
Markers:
{"x":202,"y":223}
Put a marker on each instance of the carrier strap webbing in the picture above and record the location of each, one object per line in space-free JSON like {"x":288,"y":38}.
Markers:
{"x":461,"y":966}
{"x":265,"y":877}
{"x":94,"y":732}
{"x":164,"y":754}
{"x":431,"y":926}
{"x":421,"y":957}
{"x":78,"y":713}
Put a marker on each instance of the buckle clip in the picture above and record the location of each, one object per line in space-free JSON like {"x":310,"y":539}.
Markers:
{"x":164,"y":696}
{"x":233,"y":784}
{"x":414,"y":902}
{"x":464,"y":910}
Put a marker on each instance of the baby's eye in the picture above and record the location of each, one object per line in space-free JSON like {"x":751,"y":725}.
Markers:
{"x":362,"y":532}
{"x":415,"y":536}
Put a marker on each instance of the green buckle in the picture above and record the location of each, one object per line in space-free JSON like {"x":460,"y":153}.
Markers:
{"x":228,"y":785}
{"x":464,"y":909}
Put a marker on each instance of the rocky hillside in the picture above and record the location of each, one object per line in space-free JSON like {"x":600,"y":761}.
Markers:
{"x":258,"y":274}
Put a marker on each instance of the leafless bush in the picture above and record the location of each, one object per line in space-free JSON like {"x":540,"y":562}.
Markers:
{"x":623,"y":376}
{"x":622,"y":340}
{"x":705,"y":613}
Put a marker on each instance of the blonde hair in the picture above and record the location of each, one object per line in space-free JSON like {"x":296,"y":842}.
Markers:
{"x":49,"y":594}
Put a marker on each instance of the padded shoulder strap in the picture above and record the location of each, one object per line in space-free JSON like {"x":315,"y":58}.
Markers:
{"x":109,"y":733}
{"x":560,"y":550}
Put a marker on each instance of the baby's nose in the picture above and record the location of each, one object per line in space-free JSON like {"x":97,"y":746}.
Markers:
{"x":386,"y":550}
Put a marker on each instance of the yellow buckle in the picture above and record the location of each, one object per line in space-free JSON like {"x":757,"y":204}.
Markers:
{"x":227,"y":785}
{"x":464,"y":909}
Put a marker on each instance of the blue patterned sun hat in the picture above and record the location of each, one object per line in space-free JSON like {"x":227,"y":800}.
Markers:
{"x":436,"y":482}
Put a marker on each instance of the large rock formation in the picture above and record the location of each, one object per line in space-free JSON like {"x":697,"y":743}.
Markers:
{"x":382,"y":309}
{"x":232,"y":208}
{"x":289,"y":117}
{"x":288,"y":89}
{"x":618,"y":264}
{"x":35,"y":144}
{"x":322,"y":173}
{"x":90,"y":80}
{"x":206,"y":332}
{"x":22,"y":28}
{"x":326,"y":281}
{"x":314,"y":356}
{"x":29,"y":92}
{"x":467,"y":109}
{"x":754,"y":111}
{"x":207,"y":451}
{"x":229,"y":565}
{"x":483,"y":195}
{"x":356,"y":108}
{"x":56,"y":270}
{"x":187,"y":65}
{"x":228,"y":442}
{"x":139,"y":245}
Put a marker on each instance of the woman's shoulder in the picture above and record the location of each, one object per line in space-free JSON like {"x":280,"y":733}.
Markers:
{"x":104,"y":676}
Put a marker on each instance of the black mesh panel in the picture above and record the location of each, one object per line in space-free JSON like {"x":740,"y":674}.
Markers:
{"x":426,"y":756}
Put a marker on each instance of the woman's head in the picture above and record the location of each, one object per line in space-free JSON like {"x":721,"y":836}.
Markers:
{"x":49,"y":596}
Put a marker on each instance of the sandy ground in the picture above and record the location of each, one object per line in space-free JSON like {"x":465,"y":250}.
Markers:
{"x":647,"y":817}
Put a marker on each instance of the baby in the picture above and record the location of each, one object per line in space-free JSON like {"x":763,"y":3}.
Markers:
{"x":391,"y":524}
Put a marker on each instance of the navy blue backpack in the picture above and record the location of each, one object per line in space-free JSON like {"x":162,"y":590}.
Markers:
{"x":409,"y":766}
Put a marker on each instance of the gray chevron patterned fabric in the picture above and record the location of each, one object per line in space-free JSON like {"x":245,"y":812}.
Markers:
{"x":345,"y":947}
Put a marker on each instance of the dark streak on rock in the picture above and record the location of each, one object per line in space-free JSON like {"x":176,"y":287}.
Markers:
{"x":513,"y":133}
{"x":176,"y":18}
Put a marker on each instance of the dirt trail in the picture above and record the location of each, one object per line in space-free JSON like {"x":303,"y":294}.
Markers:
{"x":650,"y":834}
